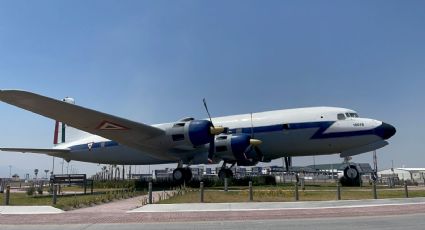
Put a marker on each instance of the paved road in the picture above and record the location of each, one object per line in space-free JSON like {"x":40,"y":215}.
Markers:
{"x":405,"y":222}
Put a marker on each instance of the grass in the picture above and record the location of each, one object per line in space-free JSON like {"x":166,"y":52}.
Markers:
{"x":67,"y":202}
{"x":283,"y":194}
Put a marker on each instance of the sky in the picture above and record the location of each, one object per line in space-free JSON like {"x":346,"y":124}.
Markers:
{"x":154,"y":61}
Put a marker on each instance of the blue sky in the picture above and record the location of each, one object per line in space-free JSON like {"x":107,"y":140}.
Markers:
{"x":154,"y":61}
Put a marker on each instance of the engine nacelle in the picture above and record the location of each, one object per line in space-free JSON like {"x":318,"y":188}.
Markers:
{"x":190,"y":132}
{"x":233,"y":146}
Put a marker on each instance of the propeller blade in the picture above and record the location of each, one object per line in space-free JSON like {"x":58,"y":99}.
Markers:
{"x":211,"y":150}
{"x":208,"y":112}
{"x":259,"y":153}
{"x":252,"y":128}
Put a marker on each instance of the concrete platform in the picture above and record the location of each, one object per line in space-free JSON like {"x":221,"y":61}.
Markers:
{"x":28,"y":210}
{"x":269,"y":206}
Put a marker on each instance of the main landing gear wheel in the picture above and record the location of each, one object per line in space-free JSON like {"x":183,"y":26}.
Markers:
{"x":351,"y":176}
{"x":181,"y":175}
{"x":225,"y":173}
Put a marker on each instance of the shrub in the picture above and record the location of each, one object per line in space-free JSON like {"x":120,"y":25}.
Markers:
{"x":30,"y":190}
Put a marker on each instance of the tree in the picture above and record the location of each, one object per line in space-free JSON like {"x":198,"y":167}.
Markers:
{"x":36,"y":173}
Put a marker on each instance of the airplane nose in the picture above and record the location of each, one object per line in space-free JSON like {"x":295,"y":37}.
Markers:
{"x":385,"y":131}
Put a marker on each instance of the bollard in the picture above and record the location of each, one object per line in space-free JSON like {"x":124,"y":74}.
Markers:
{"x":251,"y":194}
{"x":296,"y":192}
{"x":226,"y":188}
{"x":406,"y":192}
{"x":150,"y":193}
{"x":375,"y":194}
{"x":202,"y":191}
{"x":55,"y":193}
{"x":338,"y":190}
{"x":7,"y":195}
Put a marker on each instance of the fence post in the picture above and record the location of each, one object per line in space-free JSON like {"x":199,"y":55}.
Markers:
{"x":226,"y":188}
{"x":375,"y":194}
{"x":7,"y":195}
{"x":406,"y":192}
{"x":251,"y":195}
{"x":202,"y":191}
{"x":150,"y":193}
{"x":338,"y":190}
{"x":55,"y":193}
{"x":296,"y":192}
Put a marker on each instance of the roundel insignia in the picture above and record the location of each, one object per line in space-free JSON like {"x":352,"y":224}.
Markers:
{"x":90,"y":145}
{"x":106,"y":125}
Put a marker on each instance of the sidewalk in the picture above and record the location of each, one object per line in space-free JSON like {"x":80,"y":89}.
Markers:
{"x":120,"y":206}
{"x":270,"y":206}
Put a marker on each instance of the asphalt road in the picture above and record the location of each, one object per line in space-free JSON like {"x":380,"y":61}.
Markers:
{"x":405,"y":222}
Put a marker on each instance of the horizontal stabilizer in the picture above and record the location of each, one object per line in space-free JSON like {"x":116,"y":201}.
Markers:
{"x":51,"y":152}
{"x":363,"y":149}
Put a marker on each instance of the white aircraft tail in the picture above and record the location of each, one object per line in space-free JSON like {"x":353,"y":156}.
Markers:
{"x":64,"y":133}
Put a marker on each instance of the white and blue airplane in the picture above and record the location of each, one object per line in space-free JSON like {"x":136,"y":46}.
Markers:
{"x":245,"y":140}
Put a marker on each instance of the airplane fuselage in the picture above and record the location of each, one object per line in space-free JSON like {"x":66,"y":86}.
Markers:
{"x":290,"y":132}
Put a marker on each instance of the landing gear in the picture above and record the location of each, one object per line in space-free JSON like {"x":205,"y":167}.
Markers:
{"x":351,"y":176}
{"x":226,"y":172}
{"x":181,"y":175}
{"x":288,"y":163}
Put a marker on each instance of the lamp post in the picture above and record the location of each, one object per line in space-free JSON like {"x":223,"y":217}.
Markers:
{"x":10,"y":171}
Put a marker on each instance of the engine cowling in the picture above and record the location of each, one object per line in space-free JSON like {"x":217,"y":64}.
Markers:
{"x":191,"y":132}
{"x":234,"y":147}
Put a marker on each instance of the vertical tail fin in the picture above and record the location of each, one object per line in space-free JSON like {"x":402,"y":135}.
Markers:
{"x":65,"y":132}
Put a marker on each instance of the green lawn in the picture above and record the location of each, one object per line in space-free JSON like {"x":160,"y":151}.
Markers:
{"x":67,"y":202}
{"x":263,"y":194}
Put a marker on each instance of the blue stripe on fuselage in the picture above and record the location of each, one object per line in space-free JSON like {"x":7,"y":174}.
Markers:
{"x":85,"y":147}
{"x":319,"y":134}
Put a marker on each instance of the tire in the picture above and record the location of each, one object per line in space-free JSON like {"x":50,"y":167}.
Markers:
{"x":187,"y":174}
{"x":351,"y":176}
{"x":222,"y":174}
{"x":225,"y":173}
{"x":179,"y":175}
{"x":229,"y":173}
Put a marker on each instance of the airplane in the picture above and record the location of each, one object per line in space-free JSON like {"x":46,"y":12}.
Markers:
{"x":83,"y":134}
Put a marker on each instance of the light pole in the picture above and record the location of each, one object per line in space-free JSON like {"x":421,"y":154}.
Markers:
{"x":10,"y":171}
{"x":53,"y":166}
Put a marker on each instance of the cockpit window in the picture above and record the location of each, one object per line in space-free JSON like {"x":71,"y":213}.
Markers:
{"x":341,"y":116}
{"x":354,"y":115}
{"x":347,"y":114}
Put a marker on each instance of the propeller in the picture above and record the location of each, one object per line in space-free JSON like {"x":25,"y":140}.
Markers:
{"x":254,"y":144}
{"x":213,"y":131}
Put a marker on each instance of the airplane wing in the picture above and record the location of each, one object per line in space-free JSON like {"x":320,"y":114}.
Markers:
{"x":51,"y":152}
{"x":126,"y":132}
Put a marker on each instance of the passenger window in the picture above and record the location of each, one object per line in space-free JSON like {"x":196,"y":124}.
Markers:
{"x":341,"y":116}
